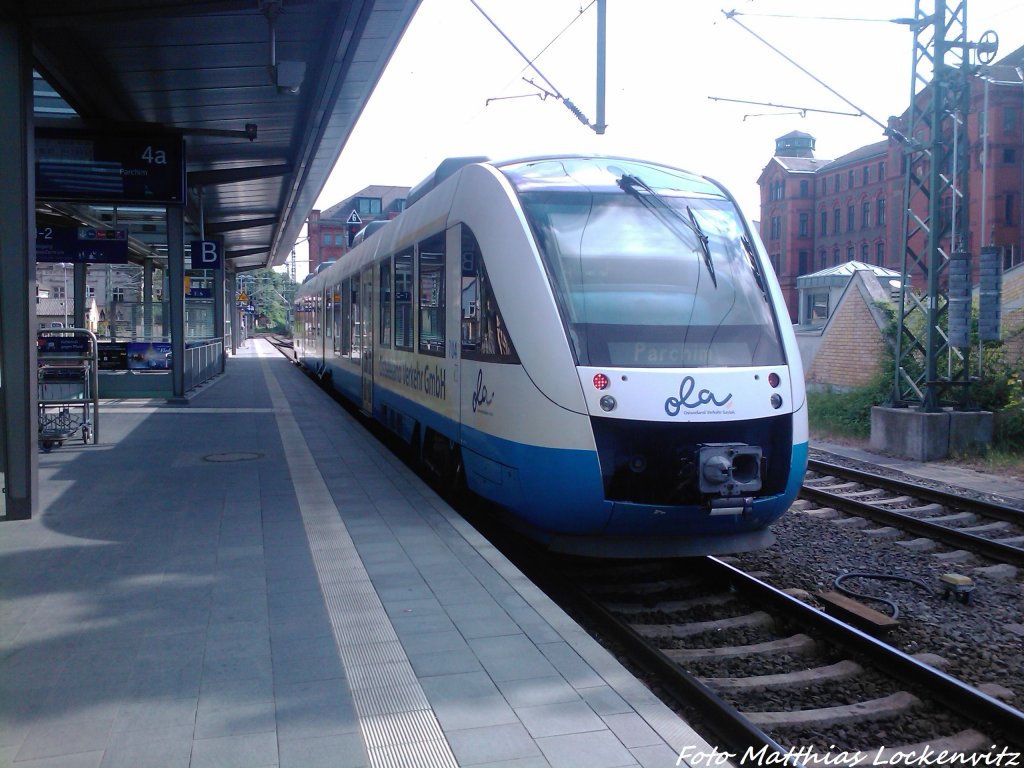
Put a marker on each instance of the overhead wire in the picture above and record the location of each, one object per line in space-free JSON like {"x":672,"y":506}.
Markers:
{"x":531,"y":63}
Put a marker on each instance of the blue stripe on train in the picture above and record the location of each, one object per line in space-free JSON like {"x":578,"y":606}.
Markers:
{"x":564,"y":491}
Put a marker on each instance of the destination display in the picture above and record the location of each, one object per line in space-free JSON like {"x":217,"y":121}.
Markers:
{"x":80,"y":165}
{"x":81,"y":245}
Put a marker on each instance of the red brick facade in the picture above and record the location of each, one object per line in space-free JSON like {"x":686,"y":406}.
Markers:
{"x":819,"y":213}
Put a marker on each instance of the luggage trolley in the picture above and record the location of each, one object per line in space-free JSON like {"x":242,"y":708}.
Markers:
{"x":68,"y":386}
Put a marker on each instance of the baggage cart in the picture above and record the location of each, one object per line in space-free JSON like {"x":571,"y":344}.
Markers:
{"x":68,"y":386}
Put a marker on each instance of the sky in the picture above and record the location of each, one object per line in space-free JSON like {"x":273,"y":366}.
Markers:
{"x":455,"y":87}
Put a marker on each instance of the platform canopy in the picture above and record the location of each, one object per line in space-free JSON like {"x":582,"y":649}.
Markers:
{"x":265,"y":95}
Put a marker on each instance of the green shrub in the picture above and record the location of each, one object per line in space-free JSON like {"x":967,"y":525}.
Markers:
{"x":842,"y":414}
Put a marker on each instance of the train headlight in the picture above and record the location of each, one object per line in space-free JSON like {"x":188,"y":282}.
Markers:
{"x":608,"y":403}
{"x":776,"y":401}
{"x":601,"y":381}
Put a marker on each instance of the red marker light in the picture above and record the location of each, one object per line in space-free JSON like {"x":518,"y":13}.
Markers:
{"x":601,"y":381}
{"x":774,"y":380}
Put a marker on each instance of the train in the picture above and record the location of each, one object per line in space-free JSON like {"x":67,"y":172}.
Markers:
{"x":596,"y":345}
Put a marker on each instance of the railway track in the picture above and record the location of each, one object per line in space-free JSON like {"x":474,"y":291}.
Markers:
{"x":990,"y":530}
{"x":769,"y":673}
{"x":282,"y":345}
{"x":760,"y":669}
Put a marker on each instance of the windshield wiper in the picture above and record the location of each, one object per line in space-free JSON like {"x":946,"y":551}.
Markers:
{"x":639,"y":189}
{"x":752,"y":262}
{"x":705,"y":247}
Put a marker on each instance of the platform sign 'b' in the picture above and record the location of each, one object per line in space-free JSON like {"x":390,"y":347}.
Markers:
{"x":206,"y":254}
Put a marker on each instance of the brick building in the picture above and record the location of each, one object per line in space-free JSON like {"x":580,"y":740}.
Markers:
{"x":818,"y":213}
{"x":330,"y":230}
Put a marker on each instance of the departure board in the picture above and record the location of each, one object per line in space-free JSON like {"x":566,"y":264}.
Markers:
{"x":73,"y":164}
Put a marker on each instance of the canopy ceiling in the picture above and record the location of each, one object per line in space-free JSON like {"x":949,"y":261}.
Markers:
{"x":203,"y":68}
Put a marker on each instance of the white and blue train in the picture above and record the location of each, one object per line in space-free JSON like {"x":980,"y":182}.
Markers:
{"x":597,"y":345}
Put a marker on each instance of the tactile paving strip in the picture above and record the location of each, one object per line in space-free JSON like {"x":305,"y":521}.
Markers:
{"x":397,"y":723}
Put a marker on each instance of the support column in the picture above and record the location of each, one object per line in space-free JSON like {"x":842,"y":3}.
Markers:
{"x":176,"y":285}
{"x":79,"y":287}
{"x":19,"y":462}
{"x":233,"y":308}
{"x":218,"y":308}
{"x":147,"y":299}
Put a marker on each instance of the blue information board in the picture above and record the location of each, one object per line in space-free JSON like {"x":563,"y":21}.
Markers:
{"x":81,"y":245}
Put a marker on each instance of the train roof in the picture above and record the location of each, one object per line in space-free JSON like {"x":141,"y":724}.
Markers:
{"x":541,"y":171}
{"x":594,"y":173}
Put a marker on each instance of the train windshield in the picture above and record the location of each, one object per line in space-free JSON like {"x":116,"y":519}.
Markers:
{"x":651,"y":266}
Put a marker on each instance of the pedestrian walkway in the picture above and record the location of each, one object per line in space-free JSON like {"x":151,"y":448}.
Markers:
{"x":252,"y":580}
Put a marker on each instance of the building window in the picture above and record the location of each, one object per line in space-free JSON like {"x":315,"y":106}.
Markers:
{"x":837,"y":221}
{"x":816,"y":308}
{"x":865,"y":215}
{"x":803,"y":263}
{"x":867,"y":175}
{"x":368,"y":206}
{"x":880,"y":214}
{"x":1009,"y":155}
{"x":822,"y":258}
{"x":116,"y":294}
{"x":864,"y":253}
{"x":90,"y":291}
{"x":803,"y":188}
{"x":339,"y":239}
{"x":59,"y":292}
{"x":849,"y":253}
{"x":880,"y":254}
{"x":1012,"y":256}
{"x":849,"y":179}
{"x":805,"y":224}
{"x":849,"y":218}
{"x":881,"y":170}
{"x":824,"y":223}
{"x":835,"y":257}
{"x":776,"y":261}
{"x":1009,"y":119}
{"x":835,"y":186}
{"x":776,"y":228}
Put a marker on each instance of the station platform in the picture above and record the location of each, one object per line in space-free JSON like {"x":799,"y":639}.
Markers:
{"x":253,"y":580}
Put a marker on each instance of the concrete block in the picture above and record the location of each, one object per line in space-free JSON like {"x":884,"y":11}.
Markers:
{"x":970,"y":432}
{"x":913,"y":434}
{"x":910,"y":433}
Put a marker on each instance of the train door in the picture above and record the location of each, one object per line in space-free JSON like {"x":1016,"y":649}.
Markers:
{"x":366,"y":356}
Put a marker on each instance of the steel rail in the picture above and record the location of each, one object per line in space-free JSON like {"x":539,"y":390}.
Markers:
{"x":990,"y":548}
{"x":987,"y":508}
{"x":736,"y":732}
{"x":955,"y":694}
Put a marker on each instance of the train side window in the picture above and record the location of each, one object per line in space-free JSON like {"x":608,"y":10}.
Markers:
{"x":403,"y":300}
{"x":385,"y":303}
{"x":337,"y":320}
{"x":431,"y":295}
{"x":329,"y":314}
{"x":483,"y":330}
{"x":343,"y":331}
{"x":355,"y":322}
